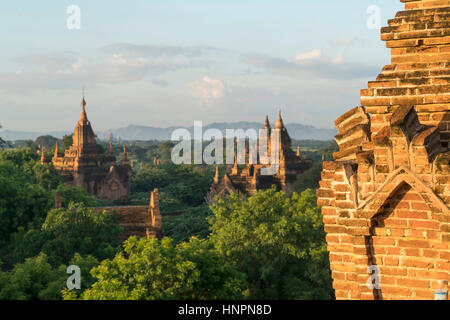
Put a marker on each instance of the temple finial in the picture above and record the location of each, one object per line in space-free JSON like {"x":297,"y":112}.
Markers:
{"x":43,"y":155}
{"x":235,"y":169}
{"x":267,"y":123}
{"x":216,"y":177}
{"x":83,"y":117}
{"x":125,"y":156}
{"x":56,"y":150}
{"x":279,"y":123}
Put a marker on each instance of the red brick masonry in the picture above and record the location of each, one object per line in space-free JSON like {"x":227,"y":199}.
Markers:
{"x":385,"y":199}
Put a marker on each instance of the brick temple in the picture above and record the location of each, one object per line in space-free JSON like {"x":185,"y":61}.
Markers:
{"x":385,"y":198}
{"x":84,"y":164}
{"x":140,"y":221}
{"x":248,"y":180}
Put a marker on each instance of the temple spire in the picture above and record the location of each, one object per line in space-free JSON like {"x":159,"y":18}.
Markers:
{"x":235,"y":169}
{"x":56,"y":150}
{"x":110,"y":149}
{"x":279,"y":124}
{"x":267,"y":123}
{"x":125,"y":156}
{"x":216,"y":177}
{"x":298,"y":151}
{"x":83,"y":117}
{"x":43,"y":155}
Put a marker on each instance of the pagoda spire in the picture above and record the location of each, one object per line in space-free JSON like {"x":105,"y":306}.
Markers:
{"x":216,"y":177}
{"x":43,"y":155}
{"x":125,"y":156}
{"x":56,"y":150}
{"x":298,"y":151}
{"x":267,"y":123}
{"x":279,"y":124}
{"x":110,"y":149}
{"x":83,"y":116}
{"x":235,"y":169}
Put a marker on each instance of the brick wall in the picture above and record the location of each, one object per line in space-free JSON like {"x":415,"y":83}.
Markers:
{"x":142,"y":221}
{"x":385,"y":199}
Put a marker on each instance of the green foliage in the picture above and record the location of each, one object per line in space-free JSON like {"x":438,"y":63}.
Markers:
{"x":277,"y":241}
{"x":192,"y":223}
{"x":34,"y":279}
{"x":29,"y":144}
{"x":165,"y":151}
{"x":67,"y":141}
{"x":46,"y":176}
{"x":310,"y":144}
{"x":309,"y":179}
{"x":27,"y":243}
{"x":22,"y":202}
{"x":47,"y":141}
{"x":180,"y":186}
{"x":75,"y":194}
{"x":80,"y":230}
{"x":3,"y":143}
{"x":86,"y":264}
{"x":25,"y":186}
{"x":66,"y":232}
{"x":153,"y":269}
{"x":20,"y":158}
{"x":29,"y":162}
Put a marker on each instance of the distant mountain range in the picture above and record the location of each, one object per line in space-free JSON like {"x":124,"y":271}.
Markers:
{"x":134,"y":132}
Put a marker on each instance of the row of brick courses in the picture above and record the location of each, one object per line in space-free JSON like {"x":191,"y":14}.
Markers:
{"x":385,"y":197}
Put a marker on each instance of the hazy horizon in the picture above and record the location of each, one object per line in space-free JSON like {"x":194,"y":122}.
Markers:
{"x":168,"y":126}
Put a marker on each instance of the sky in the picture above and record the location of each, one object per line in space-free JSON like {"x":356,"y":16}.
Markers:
{"x":169,"y":63}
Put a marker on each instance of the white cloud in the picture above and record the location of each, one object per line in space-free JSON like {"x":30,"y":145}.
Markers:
{"x":344,"y":41}
{"x":314,"y":54}
{"x":338,"y":59}
{"x":78,"y":64}
{"x":134,"y":50}
{"x":313,"y":63}
{"x":317,"y":55}
{"x":117,"y":63}
{"x":207,"y":89}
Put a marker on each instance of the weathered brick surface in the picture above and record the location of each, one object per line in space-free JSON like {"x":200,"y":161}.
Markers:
{"x":142,"y":221}
{"x":385,"y":199}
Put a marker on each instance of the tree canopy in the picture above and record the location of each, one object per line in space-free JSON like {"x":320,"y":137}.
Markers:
{"x":153,"y":269}
{"x":278,"y":241}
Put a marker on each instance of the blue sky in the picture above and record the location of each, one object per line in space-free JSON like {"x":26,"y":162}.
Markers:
{"x":164,"y":63}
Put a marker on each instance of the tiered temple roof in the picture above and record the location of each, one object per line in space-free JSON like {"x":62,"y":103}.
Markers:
{"x":84,"y":164}
{"x":248,"y":180}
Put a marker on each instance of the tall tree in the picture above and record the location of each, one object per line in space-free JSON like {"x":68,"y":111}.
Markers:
{"x":67,"y":141}
{"x":153,"y":269}
{"x":278,"y":241}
